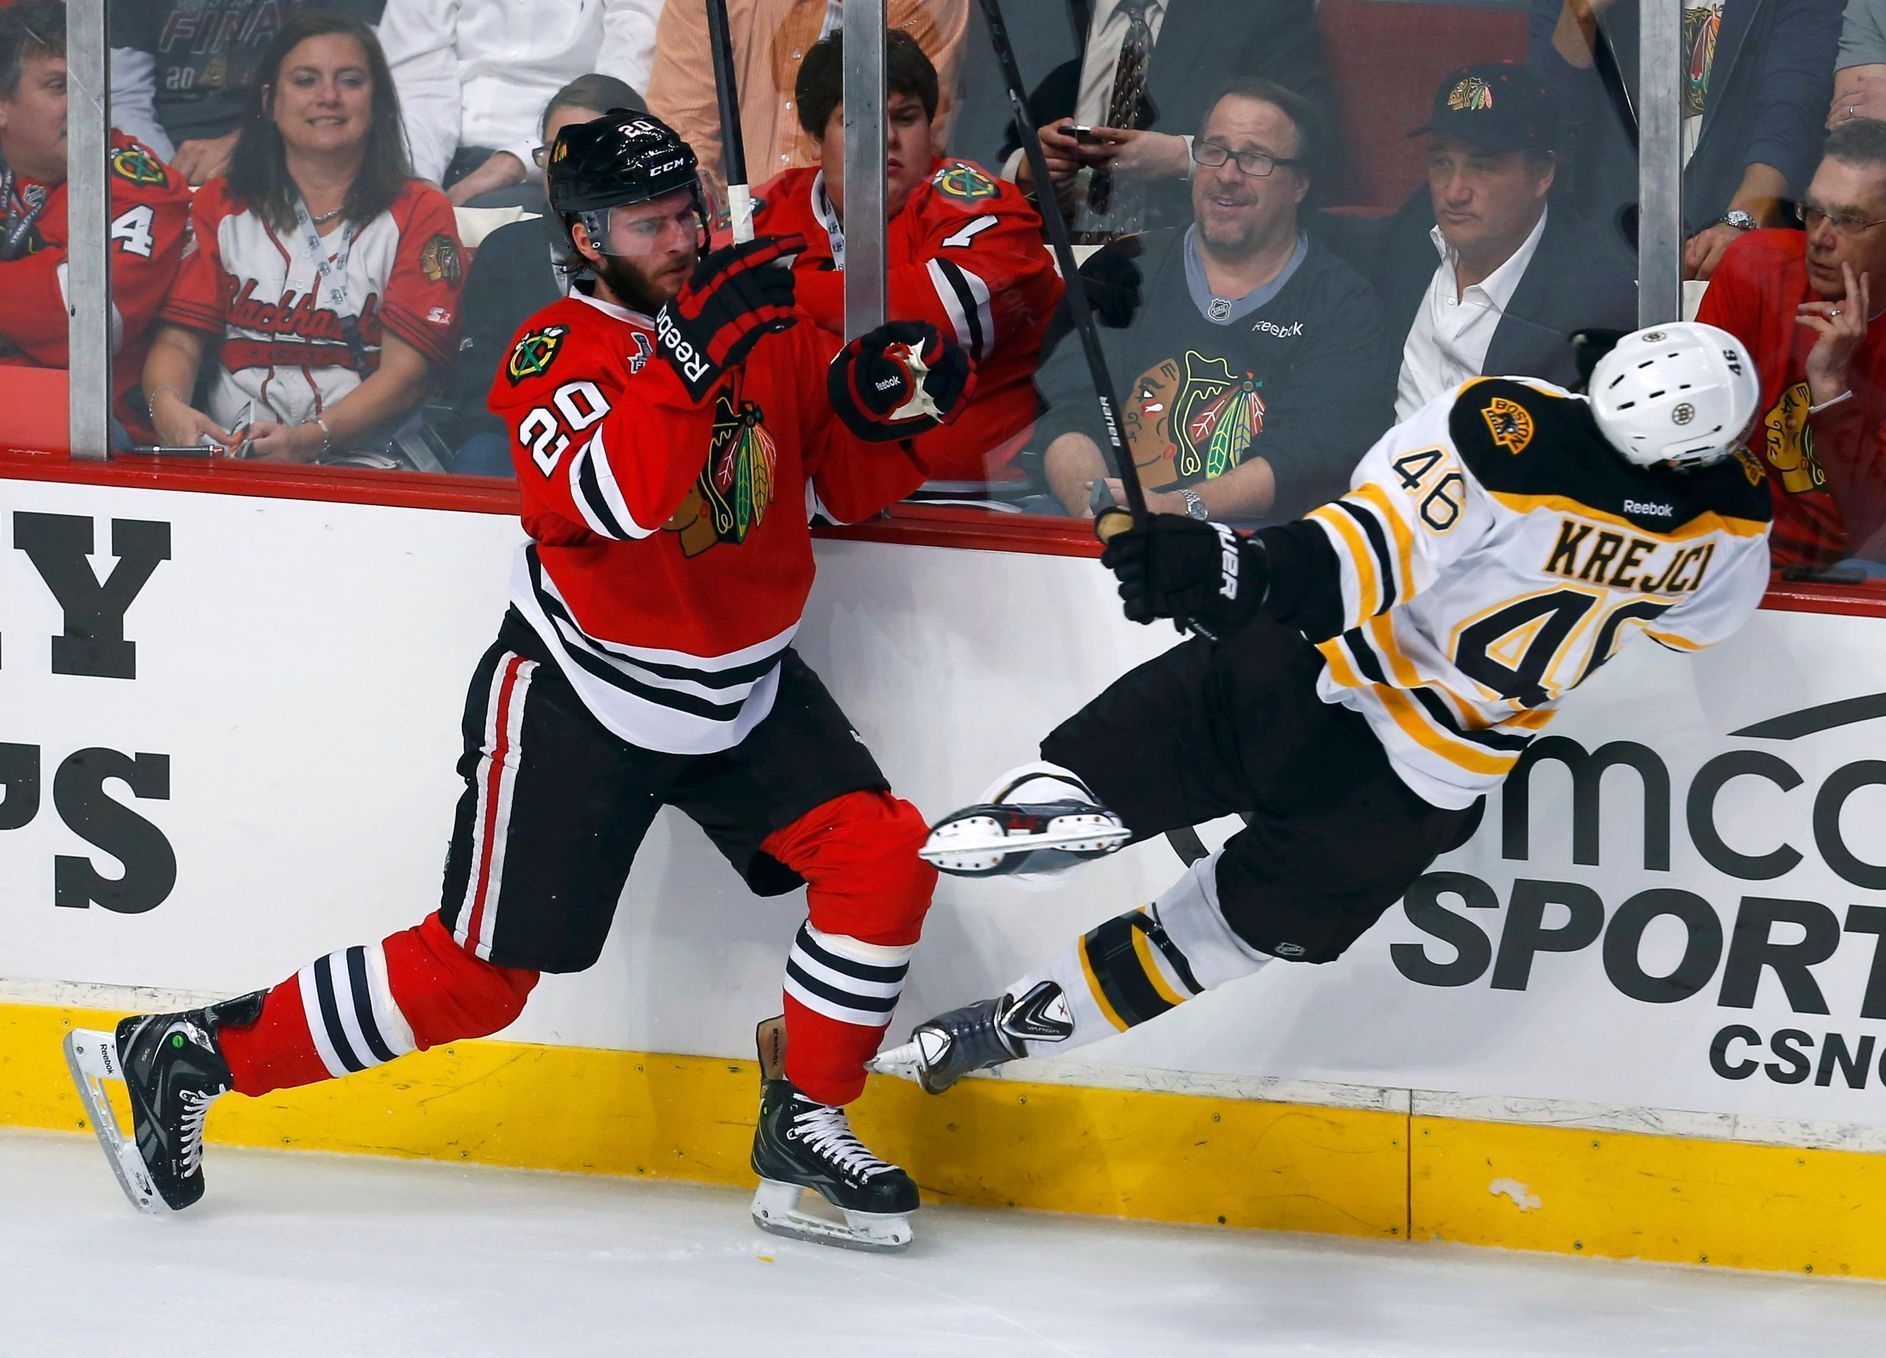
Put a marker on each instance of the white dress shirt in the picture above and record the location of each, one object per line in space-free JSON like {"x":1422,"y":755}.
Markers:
{"x":1448,"y":342}
{"x":504,"y":59}
{"x":1106,"y":35}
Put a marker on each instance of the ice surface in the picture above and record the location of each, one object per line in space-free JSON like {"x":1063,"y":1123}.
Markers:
{"x":310,"y":1254}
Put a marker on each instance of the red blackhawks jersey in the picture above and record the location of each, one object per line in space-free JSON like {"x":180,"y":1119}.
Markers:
{"x":150,"y":220}
{"x":1827,"y":467}
{"x":670,"y":553}
{"x":260,"y":292}
{"x":965,"y":254}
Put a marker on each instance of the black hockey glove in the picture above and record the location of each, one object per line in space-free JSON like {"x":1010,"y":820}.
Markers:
{"x":735,"y":295}
{"x":1173,"y":566}
{"x":899,"y":380}
{"x":1114,"y":282}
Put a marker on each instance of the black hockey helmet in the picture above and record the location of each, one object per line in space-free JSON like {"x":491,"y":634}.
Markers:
{"x":621,"y":157}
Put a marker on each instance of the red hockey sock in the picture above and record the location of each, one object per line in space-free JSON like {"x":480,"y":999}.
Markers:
{"x":364,"y":1006}
{"x":867,"y":892}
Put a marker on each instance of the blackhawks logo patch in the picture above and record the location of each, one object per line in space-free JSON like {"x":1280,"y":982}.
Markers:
{"x":1509,"y":423}
{"x":137,"y":165}
{"x":1472,"y":95}
{"x":1191,"y":420}
{"x":736,"y":486}
{"x":962,"y":182}
{"x":439,"y":260}
{"x":533,"y":353}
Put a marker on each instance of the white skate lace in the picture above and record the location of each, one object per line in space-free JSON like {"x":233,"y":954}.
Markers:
{"x":195,"y":1108}
{"x":826,"y":1131}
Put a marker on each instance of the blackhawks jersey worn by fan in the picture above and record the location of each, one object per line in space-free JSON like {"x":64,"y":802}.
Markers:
{"x":262,"y":293}
{"x":1493,"y":552}
{"x":150,"y":217}
{"x":964,"y":254}
{"x":671,"y":552}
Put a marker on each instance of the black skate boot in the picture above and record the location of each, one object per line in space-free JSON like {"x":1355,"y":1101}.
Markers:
{"x":978,"y":1036}
{"x":1035,"y":822}
{"x":803,"y":1144}
{"x":173,"y":1067}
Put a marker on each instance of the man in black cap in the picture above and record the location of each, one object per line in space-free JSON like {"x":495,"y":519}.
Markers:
{"x":1515,"y":278}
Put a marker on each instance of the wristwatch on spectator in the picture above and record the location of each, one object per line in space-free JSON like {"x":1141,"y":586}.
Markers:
{"x":1739,"y":219}
{"x":1194,"y":507}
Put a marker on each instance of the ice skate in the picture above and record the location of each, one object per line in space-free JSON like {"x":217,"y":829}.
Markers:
{"x":802,"y":1144}
{"x":1035,"y":822}
{"x":174,"y":1068}
{"x":978,"y":1036}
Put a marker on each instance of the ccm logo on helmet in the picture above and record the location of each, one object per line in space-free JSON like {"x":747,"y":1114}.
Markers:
{"x":668,"y":165}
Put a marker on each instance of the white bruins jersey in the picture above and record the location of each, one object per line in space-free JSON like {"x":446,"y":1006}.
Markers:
{"x":1492,"y":553}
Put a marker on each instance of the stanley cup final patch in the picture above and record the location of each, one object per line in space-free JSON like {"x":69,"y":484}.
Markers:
{"x":533,"y":353}
{"x":439,"y":259}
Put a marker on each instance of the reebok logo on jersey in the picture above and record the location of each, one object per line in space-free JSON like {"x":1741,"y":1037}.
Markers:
{"x":1649,"y":507}
{"x":1290,"y":331}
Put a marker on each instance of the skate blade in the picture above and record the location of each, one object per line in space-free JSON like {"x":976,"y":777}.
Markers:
{"x":979,"y":845}
{"x":904,"y":1062}
{"x":776,"y":1209}
{"x":92,"y":1057}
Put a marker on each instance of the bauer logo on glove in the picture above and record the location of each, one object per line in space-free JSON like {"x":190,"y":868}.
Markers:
{"x":898,"y":381}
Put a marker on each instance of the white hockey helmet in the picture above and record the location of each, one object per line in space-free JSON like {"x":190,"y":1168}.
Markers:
{"x":1684,"y":394}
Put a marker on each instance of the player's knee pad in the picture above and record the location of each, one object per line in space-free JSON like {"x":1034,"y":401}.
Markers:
{"x":1194,"y":923}
{"x":858,"y":856}
{"x":447,"y":993}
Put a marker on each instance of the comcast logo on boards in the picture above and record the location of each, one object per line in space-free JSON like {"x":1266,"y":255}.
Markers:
{"x":1773,"y":937}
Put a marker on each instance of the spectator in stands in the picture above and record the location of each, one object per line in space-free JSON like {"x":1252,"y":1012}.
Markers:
{"x":518,"y":270}
{"x":183,"y":74}
{"x":1248,"y":358}
{"x":1143,"y":84}
{"x":963,"y":250}
{"x":1516,"y":278}
{"x":150,"y":213}
{"x":323,"y":290}
{"x":1802,"y":303}
{"x":1860,"y":69}
{"x":503,"y":59}
{"x":1759,"y":73}
{"x":770,"y":39}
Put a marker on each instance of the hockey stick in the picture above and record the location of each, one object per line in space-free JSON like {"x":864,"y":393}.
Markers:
{"x":1108,"y":522}
{"x":733,"y":148}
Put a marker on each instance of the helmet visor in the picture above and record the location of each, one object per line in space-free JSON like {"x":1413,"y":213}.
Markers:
{"x":653,"y":231}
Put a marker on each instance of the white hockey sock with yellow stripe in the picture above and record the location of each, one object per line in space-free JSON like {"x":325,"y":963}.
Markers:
{"x":1140,"y":965}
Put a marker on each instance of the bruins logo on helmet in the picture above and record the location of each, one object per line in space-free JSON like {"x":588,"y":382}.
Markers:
{"x":1510,"y":424}
{"x":964,"y":183}
{"x":533,"y":353}
{"x":137,"y":165}
{"x":438,"y":259}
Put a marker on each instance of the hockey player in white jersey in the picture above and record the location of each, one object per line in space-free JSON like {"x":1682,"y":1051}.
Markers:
{"x":1381,"y":665}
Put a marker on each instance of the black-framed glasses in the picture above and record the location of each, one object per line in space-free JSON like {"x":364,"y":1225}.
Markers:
{"x":1843,"y":223}
{"x":1257,"y":164}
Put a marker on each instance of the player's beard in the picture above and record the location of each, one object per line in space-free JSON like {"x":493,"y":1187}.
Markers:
{"x":632,"y":284}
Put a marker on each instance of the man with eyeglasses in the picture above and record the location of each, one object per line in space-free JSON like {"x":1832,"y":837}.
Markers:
{"x":1247,"y":357}
{"x":1515,"y":278}
{"x":1802,"y":302}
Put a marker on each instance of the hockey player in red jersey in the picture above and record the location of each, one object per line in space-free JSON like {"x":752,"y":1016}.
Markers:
{"x":962,"y":250}
{"x":673,"y":430}
{"x":150,"y":214}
